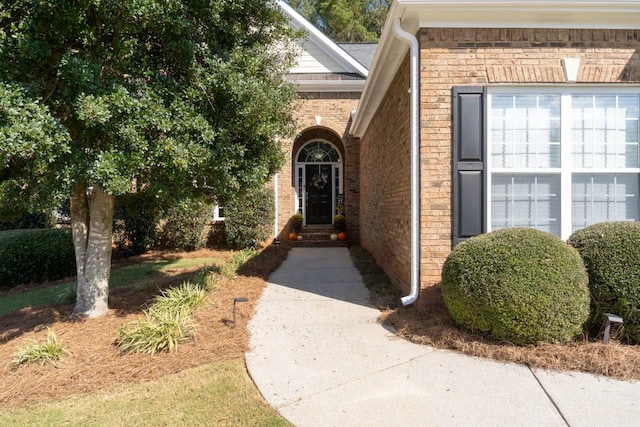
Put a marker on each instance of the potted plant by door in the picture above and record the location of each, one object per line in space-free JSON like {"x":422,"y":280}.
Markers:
{"x":295,"y":225}
{"x":340,"y":225}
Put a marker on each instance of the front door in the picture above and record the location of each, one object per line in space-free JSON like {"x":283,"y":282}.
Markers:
{"x":319,"y":192}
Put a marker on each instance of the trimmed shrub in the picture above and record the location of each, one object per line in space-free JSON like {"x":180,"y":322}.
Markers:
{"x":185,"y":225}
{"x":135,"y":221}
{"x":611,"y":254}
{"x":37,"y":255}
{"x":249,"y":218}
{"x":519,"y":285}
{"x":31,"y":220}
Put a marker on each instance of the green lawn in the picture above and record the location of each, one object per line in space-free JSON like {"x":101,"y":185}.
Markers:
{"x":119,"y":277}
{"x":220,"y":394}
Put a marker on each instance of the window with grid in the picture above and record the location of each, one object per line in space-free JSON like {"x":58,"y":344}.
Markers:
{"x":561,"y":160}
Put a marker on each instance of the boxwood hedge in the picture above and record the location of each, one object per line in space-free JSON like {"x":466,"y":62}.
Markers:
{"x":35,"y":255}
{"x":519,"y":285}
{"x":611,"y":253}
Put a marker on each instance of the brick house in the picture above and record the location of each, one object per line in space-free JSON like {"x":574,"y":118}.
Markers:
{"x":478,"y":115}
{"x":320,"y":176}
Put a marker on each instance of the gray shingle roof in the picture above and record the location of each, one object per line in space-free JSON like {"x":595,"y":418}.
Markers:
{"x":361,"y":52}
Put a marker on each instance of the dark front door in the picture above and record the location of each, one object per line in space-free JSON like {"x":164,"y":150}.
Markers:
{"x":319,"y":184}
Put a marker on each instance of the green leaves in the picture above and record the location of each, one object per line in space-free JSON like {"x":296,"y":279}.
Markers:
{"x":517,"y":284}
{"x":49,"y":351}
{"x":154,"y":91}
{"x":346,"y":20}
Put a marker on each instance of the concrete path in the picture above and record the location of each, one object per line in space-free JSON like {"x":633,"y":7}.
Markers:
{"x":319,"y":356}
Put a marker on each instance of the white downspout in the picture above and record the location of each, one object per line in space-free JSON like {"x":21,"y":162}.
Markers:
{"x":275,"y":196}
{"x":415,"y":162}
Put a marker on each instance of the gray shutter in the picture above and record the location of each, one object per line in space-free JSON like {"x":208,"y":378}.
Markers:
{"x":468,"y":163}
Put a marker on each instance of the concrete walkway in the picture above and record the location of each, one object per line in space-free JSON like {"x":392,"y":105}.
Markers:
{"x":319,"y":356}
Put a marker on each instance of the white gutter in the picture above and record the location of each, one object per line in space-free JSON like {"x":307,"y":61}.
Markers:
{"x":415,"y":162}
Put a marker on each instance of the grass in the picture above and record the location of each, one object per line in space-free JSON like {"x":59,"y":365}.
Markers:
{"x":219,"y":394}
{"x":236,"y":261}
{"x":63,"y":292}
{"x":49,"y":351}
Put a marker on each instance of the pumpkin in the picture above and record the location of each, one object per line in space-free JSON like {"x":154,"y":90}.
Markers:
{"x":342,"y":236}
{"x":300,"y":237}
{"x":293,"y":236}
{"x":334,"y":237}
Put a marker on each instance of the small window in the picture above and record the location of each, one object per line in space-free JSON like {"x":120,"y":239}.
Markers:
{"x":318,"y":152}
{"x":218,"y":213}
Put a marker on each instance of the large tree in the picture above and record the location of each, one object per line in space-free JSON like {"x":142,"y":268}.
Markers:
{"x":345,"y":20}
{"x":104,"y":97}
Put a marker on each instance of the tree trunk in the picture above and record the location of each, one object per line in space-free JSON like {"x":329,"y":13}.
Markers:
{"x":91,"y":223}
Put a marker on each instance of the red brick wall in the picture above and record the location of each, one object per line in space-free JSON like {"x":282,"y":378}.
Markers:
{"x":385,"y":199}
{"x":452,"y":57}
{"x":333,"y":110}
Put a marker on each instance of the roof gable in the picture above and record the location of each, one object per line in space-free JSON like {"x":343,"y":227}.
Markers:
{"x":320,"y":55}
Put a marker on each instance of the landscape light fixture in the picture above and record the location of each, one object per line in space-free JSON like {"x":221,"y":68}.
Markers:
{"x":609,"y":319}
{"x":235,"y":301}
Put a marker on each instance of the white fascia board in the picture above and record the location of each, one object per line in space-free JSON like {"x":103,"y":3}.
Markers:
{"x":329,"y":85}
{"x":416,"y":14}
{"x":316,"y":36}
{"x":526,"y":14}
{"x":386,"y":61}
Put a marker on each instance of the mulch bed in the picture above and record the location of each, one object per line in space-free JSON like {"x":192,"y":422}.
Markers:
{"x":430,"y":324}
{"x":94,"y":362}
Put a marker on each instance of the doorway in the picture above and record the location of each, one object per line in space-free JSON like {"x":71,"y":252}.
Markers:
{"x":318,"y":182}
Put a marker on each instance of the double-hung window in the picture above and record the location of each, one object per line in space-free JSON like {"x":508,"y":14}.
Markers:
{"x":561,"y":159}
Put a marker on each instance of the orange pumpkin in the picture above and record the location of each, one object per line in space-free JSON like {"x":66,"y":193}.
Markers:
{"x":342,"y":236}
{"x":293,"y":236}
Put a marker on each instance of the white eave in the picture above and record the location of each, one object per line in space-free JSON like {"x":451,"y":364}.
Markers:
{"x":416,"y":14}
{"x":329,"y":85}
{"x":338,"y":54}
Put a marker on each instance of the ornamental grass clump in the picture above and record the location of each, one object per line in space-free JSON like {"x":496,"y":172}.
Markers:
{"x":49,"y":351}
{"x":159,"y":331}
{"x":166,"y":323}
{"x":187,"y":297}
{"x":518,"y":285}
{"x":611,"y":254}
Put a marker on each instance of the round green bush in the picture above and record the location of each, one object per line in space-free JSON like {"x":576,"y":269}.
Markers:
{"x":249,"y":218}
{"x":611,"y":254}
{"x":519,"y":285}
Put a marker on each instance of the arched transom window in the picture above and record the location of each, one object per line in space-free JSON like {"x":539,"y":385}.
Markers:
{"x":318,"y":152}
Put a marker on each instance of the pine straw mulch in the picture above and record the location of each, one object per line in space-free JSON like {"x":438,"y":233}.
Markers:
{"x":430,"y":324}
{"x":95,"y":363}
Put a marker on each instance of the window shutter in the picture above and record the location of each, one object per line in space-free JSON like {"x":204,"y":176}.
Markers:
{"x":468,"y":163}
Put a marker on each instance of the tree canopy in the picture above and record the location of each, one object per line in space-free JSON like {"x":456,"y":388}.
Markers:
{"x":345,"y":20}
{"x":104,"y":97}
